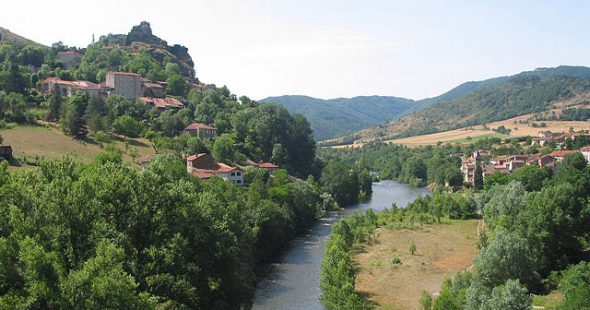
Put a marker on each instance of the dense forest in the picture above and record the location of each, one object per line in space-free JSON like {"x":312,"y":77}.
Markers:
{"x":535,"y":242}
{"x":415,"y":166}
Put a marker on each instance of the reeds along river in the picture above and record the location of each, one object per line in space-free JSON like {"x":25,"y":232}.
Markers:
{"x":294,"y":282}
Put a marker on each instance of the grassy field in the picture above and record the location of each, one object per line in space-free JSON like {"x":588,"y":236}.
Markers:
{"x":442,"y":251}
{"x":548,"y":302}
{"x":30,"y":141}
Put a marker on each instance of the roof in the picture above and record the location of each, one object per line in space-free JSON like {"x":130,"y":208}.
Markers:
{"x":585,"y":149}
{"x":168,"y":102}
{"x":151,"y":84}
{"x":563,"y":153}
{"x":209,"y":167}
{"x":81,"y":84}
{"x":199,"y":126}
{"x":124,"y":73}
{"x":267,"y":165}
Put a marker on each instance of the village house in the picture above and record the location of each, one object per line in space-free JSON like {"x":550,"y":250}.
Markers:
{"x":126,"y":84}
{"x":5,"y":152}
{"x":201,"y":130}
{"x":545,"y":137}
{"x":69,"y":88}
{"x":468,"y":171}
{"x":203,"y":166}
{"x":162,"y":103}
{"x":70,"y":59}
{"x":586,"y":153}
{"x":543,"y":161}
{"x":560,"y":155}
{"x":152,"y":89}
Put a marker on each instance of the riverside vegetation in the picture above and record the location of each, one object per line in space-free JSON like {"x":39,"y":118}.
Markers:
{"x":535,"y":243}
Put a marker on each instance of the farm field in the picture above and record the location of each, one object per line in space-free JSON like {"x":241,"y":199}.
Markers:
{"x":28,"y":142}
{"x":466,"y":134}
{"x":442,"y":251}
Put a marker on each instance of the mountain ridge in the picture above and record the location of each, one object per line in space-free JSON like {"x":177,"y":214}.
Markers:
{"x":339,"y":116}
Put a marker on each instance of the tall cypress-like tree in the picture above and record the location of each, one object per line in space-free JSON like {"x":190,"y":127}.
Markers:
{"x":478,"y":177}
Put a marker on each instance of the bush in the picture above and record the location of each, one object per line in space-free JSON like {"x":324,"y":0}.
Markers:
{"x":396,"y":260}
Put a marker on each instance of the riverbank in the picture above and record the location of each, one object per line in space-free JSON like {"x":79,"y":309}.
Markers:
{"x":442,"y":250}
{"x":294,"y":280}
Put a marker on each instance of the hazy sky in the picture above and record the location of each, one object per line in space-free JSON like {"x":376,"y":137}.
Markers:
{"x":331,"y":48}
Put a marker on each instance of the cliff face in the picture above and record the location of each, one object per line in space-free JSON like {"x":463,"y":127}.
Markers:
{"x":141,"y":37}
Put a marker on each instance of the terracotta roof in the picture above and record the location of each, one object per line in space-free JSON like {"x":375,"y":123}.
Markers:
{"x":585,"y":149}
{"x":168,"y":102}
{"x":199,"y":126}
{"x":563,"y":153}
{"x":267,"y":165}
{"x":124,"y":73}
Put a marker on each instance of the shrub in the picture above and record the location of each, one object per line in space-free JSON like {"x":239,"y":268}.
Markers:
{"x":396,"y":260}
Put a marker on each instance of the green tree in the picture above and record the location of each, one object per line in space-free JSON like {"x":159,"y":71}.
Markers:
{"x":102,"y":283}
{"x":575,"y":285}
{"x":224,"y":148}
{"x":127,"y":126}
{"x":177,"y":85}
{"x":478,"y":177}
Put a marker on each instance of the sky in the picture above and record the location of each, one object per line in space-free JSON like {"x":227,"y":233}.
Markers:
{"x":331,"y":48}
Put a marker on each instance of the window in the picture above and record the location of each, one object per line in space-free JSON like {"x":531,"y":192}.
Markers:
{"x":233,"y":174}
{"x":238,"y":181}
{"x":238,"y":173}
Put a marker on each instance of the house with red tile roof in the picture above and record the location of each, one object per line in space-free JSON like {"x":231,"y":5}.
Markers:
{"x":201,"y":130}
{"x":559,"y":155}
{"x":204,"y":166}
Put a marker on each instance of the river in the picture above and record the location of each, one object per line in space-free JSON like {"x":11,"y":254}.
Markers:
{"x":294,"y":281}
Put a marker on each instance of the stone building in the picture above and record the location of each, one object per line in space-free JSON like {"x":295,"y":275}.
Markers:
{"x":69,"y":58}
{"x":201,"y":130}
{"x":126,"y":84}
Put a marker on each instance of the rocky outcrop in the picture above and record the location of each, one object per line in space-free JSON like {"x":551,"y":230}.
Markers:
{"x":141,"y":36}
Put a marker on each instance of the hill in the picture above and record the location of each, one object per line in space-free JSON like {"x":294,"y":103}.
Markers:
{"x":8,"y":36}
{"x":141,"y":39}
{"x":336,"y":117}
{"x":477,"y":103}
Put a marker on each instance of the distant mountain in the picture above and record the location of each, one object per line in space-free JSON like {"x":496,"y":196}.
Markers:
{"x":485,"y":101}
{"x":337,"y":117}
{"x":7,"y":36}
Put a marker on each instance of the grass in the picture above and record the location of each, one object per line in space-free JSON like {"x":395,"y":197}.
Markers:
{"x":442,"y":251}
{"x":31,"y":142}
{"x":548,"y":302}
{"x":470,"y":139}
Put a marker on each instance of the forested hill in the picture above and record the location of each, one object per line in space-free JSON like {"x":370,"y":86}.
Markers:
{"x":487,"y":101}
{"x":336,"y":117}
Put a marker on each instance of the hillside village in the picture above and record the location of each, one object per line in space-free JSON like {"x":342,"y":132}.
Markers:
{"x":507,"y":164}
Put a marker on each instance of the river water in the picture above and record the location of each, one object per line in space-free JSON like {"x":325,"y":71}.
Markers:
{"x":294,"y":281}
